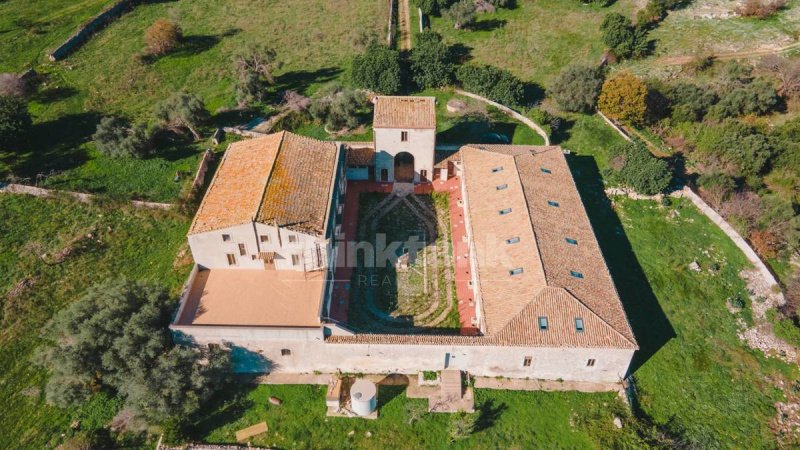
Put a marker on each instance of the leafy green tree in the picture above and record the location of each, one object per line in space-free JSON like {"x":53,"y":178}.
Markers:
{"x":634,"y":166}
{"x":577,"y":88}
{"x":431,"y":61}
{"x":624,"y":39}
{"x":462,"y":13}
{"x":433,"y":7}
{"x":183,"y":110}
{"x":378,"y":69}
{"x":758,"y":97}
{"x":116,"y":337}
{"x":689,"y":103}
{"x":15,"y":120}
{"x":117,"y":138}
{"x":624,"y":98}
{"x":496,"y":84}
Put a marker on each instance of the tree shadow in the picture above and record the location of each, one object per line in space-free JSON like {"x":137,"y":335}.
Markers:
{"x":236,"y":116}
{"x":55,"y":94}
{"x":228,"y":405}
{"x":57,"y":144}
{"x":532,"y":93}
{"x":300,"y":80}
{"x":561,"y":132}
{"x":649,"y":322}
{"x":488,"y":413}
{"x":460,"y":53}
{"x":488,"y":25}
{"x":387,"y":393}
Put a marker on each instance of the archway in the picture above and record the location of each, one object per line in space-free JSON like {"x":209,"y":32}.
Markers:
{"x":404,"y":167}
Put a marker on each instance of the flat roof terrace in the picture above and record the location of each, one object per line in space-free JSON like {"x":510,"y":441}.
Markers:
{"x":245,"y":297}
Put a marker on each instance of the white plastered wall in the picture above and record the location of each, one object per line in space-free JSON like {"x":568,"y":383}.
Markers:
{"x":388,"y":143}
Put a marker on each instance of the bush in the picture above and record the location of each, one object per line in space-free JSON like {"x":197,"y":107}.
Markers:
{"x":624,"y":98}
{"x":462,"y":13}
{"x":117,"y":138}
{"x":162,"y":37}
{"x":635,"y":167}
{"x":338,"y":108}
{"x":431,"y":61}
{"x":716,"y":187}
{"x":758,"y":97}
{"x":462,"y":425}
{"x":378,"y":69}
{"x":15,"y":121}
{"x":690,"y":103}
{"x":577,"y":88}
{"x":624,"y":39}
{"x":496,"y":84}
{"x":760,"y":8}
{"x":433,"y":7}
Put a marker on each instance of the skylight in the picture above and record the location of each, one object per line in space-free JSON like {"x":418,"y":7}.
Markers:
{"x":579,"y":324}
{"x":497,"y":169}
{"x":504,"y":211}
{"x":513,"y":240}
{"x":502,"y":186}
{"x":516,"y":271}
{"x":544,"y":170}
{"x":571,"y":241}
{"x":542,"y":323}
{"x":553,"y":203}
{"x":576,"y":274}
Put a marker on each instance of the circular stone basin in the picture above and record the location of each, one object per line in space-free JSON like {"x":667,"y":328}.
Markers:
{"x":455,"y":105}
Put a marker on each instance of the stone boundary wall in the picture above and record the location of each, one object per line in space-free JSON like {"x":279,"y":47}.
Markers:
{"x":392,"y":12}
{"x":714,"y":216}
{"x":87,"y":29}
{"x":510,"y":112}
{"x":11,"y":188}
{"x":202,"y":169}
{"x":243,"y":132}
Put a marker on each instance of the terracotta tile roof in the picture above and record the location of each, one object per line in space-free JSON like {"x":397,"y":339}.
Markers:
{"x":234,"y":194}
{"x":299,"y":189}
{"x":535,"y":176}
{"x":287,"y":298}
{"x":404,"y":112}
{"x":359,"y":155}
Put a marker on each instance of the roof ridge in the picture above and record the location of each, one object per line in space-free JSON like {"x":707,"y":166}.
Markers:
{"x":269,"y":176}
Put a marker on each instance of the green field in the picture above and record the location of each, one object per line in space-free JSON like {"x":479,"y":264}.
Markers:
{"x":138,"y":244}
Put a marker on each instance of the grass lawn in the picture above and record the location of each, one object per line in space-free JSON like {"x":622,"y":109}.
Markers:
{"x":28,"y":29}
{"x":536,"y":39}
{"x":138,"y":244}
{"x":526,"y":419}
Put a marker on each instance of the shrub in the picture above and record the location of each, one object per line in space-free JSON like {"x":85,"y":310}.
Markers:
{"x":15,"y":121}
{"x":577,"y":88}
{"x":462,"y":425}
{"x":787,"y":72}
{"x":378,"y":69}
{"x":338,"y":108}
{"x":117,"y":138}
{"x":765,"y":243}
{"x":497,"y":84}
{"x":433,"y":7}
{"x":430,"y":375}
{"x":462,"y":13}
{"x":431,"y":61}
{"x":182,"y":110}
{"x":758,"y":97}
{"x":636,"y":168}
{"x":624,"y":39}
{"x":624,"y":98}
{"x":690,"y":103}
{"x":162,"y":37}
{"x":716,"y":187}
{"x":760,"y":8}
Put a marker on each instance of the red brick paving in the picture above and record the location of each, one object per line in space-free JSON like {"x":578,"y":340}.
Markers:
{"x":466,"y":305}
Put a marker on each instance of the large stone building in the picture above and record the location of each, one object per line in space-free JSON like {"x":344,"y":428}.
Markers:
{"x":264,"y":240}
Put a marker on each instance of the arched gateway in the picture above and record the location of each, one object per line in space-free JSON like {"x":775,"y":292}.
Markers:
{"x":404,"y":167}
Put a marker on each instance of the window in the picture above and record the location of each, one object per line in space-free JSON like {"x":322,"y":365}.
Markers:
{"x":590,"y":362}
{"x":504,"y":211}
{"x":544,"y":170}
{"x":404,"y":136}
{"x":264,"y":238}
{"x":295,"y":260}
{"x":497,"y":169}
{"x":527,"y":361}
{"x":286,"y":352}
{"x":242,"y":250}
{"x":231,"y":259}
{"x":571,"y":241}
{"x":513,"y":240}
{"x":423,"y":174}
{"x":292,"y":238}
{"x":543,"y":323}
{"x":502,"y":186}
{"x":576,"y":274}
{"x":226,"y":238}
{"x":516,"y":271}
{"x":553,"y":204}
{"x":579,"y":324}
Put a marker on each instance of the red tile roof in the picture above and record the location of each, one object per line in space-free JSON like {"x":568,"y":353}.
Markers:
{"x":404,"y":112}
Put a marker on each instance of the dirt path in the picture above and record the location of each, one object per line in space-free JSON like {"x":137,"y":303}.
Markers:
{"x":404,"y":25}
{"x":679,"y":60}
